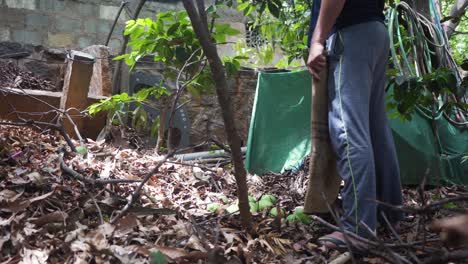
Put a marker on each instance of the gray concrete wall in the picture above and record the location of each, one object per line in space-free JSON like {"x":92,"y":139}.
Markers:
{"x":71,"y":24}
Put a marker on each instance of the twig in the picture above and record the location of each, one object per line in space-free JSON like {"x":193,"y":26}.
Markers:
{"x":218,"y":189}
{"x":180,"y":89}
{"x":397,"y":258}
{"x":98,"y":209}
{"x":351,"y":234}
{"x":428,"y":208}
{"x":369,"y":242}
{"x":122,"y":5}
{"x":393,"y":231}
{"x":75,"y":128}
{"x":80,"y":177}
{"x":136,"y":193}
{"x":217,"y":218}
{"x":342,"y":229}
{"x":221,"y":145}
{"x":116,"y":79}
{"x":201,"y":237}
{"x":457,"y":255}
{"x":191,"y":165}
{"x":58,"y":128}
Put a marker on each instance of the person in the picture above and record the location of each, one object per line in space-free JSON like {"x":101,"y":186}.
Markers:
{"x":354,"y":34}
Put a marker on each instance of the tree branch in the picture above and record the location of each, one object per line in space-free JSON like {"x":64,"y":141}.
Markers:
{"x":136,"y":193}
{"x":456,"y":13}
{"x":80,"y":177}
{"x":219,"y":78}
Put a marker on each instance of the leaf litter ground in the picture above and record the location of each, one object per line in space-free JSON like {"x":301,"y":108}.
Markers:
{"x":47,"y":216}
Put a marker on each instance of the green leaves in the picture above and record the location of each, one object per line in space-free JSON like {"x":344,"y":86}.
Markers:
{"x":221,"y":31}
{"x":246,"y":7}
{"x":121,"y":104}
{"x":233,"y":64}
{"x":157,"y":257}
{"x":81,"y":150}
{"x":268,"y":204}
{"x":213,"y":207}
{"x":160,"y":38}
{"x":274,"y":7}
{"x":299,"y":216}
{"x":265,"y":202}
{"x":278,"y":24}
{"x":411,"y":92}
{"x":274,"y":212}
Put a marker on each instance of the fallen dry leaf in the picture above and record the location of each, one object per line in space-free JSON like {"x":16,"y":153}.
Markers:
{"x":172,"y":253}
{"x":54,"y":217}
{"x":126,"y":224}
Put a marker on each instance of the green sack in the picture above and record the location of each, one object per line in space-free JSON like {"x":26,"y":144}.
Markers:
{"x":421,"y":154}
{"x":279,"y":135}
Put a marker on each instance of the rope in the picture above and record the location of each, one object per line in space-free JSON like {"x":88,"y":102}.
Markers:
{"x":424,"y":39}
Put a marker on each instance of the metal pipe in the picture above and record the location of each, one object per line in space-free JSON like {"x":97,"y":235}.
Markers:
{"x":122,"y":5}
{"x":205,"y":155}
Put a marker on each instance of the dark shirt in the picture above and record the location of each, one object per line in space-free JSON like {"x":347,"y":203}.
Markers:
{"x":354,"y":12}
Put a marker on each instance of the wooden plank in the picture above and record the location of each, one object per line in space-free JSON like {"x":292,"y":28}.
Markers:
{"x":33,"y":92}
{"x":76,"y":87}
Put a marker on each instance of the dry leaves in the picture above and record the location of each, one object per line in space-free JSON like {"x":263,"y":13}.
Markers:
{"x":49,"y":217}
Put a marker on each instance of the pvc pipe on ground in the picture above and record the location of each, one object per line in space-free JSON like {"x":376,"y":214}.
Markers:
{"x":205,"y":155}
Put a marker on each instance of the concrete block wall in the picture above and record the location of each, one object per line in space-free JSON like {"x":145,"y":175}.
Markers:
{"x":73,"y":24}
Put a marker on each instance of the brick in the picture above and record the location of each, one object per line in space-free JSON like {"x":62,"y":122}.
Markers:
{"x":86,"y":41}
{"x":12,"y":17}
{"x":60,"y":40}
{"x":59,"y":6}
{"x":90,"y":26}
{"x":24,"y":4}
{"x":66,"y":24}
{"x":82,"y":9}
{"x":27,"y":37}
{"x":115,"y":45}
{"x":88,"y":10}
{"x":119,"y":29}
{"x":109,"y":12}
{"x":36,"y":21}
{"x":52,"y":6}
{"x":4,"y":34}
{"x":104,"y":28}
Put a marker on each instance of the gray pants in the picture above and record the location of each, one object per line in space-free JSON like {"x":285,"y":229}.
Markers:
{"x":359,"y":129}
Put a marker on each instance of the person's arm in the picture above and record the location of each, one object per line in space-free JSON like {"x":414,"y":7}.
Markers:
{"x":329,"y":11}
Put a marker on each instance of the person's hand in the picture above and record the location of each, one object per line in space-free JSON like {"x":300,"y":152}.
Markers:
{"x":316,"y":61}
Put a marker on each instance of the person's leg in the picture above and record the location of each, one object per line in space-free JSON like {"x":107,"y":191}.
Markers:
{"x":385,"y":157}
{"x":350,"y":85}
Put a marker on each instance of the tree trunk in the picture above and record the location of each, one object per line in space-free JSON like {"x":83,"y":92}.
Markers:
{"x":219,"y":77}
{"x":458,"y":10}
{"x":422,"y":6}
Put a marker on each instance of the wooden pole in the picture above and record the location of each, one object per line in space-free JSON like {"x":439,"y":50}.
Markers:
{"x":324,"y":182}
